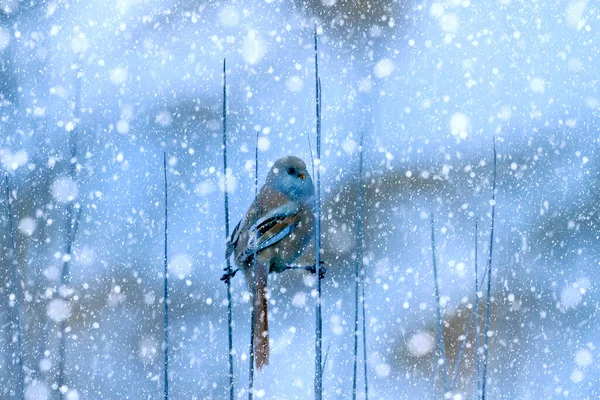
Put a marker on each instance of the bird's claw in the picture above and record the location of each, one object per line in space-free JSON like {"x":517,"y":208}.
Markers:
{"x":310,"y":268}
{"x":322,"y":269}
{"x":228,"y":275}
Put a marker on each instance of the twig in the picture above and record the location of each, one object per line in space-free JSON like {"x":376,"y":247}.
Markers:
{"x":227,"y":281}
{"x":326,"y":356}
{"x":362,"y":272}
{"x":319,"y":321}
{"x":16,"y":326}
{"x":166,"y":288}
{"x":356,"y":282}
{"x":254,"y":267}
{"x":438,"y":309}
{"x":477,"y":326}
{"x":489,"y":285}
{"x":359,"y":269}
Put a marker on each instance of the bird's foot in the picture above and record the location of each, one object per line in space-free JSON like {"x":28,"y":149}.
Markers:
{"x":228,"y":275}
{"x":310,"y":268}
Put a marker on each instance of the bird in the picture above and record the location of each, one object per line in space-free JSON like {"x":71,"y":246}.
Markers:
{"x":277,"y":228}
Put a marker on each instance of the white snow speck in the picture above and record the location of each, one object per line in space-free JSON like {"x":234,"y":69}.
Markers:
{"x":58,"y":310}
{"x":420,"y":344}
{"x":205,"y":188}
{"x":72,"y":394}
{"x":504,"y":114}
{"x":336,"y":325}
{"x":37,"y":391}
{"x":460,"y":125}
{"x":575,"y":14}
{"x":4,"y":39}
{"x":181,"y":265}
{"x":264,"y":143}
{"x":164,"y":118}
{"x":149,"y":298}
{"x":118,"y":75}
{"x":576,"y":376}
{"x":86,"y":255}
{"x":572,"y":294}
{"x":45,"y":364}
{"x":575,"y":65}
{"x":299,"y":299}
{"x":365,"y":85}
{"x":349,"y":146}
{"x":148,"y":348}
{"x":123,"y":127}
{"x":64,"y":189}
{"x":254,"y":48}
{"x":232,"y":183}
{"x":437,"y":9}
{"x":12,"y":160}
{"x":229,"y":16}
{"x":294,"y":84}
{"x":584,"y":357}
{"x":329,"y":3}
{"x":52,"y":273}
{"x":537,"y":85}
{"x":383,"y":68}
{"x":593,"y":103}
{"x":27,"y":226}
{"x":460,"y":268}
{"x":450,"y":22}
{"x":80,"y":44}
{"x":570,"y":297}
{"x":382,"y":370}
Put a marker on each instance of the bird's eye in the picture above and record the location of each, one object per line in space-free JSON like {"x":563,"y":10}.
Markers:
{"x":291,"y":171}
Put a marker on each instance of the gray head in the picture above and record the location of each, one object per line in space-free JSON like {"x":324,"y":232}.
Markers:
{"x":289,"y":176}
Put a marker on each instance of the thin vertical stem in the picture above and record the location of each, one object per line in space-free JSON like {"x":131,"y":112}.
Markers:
{"x":359,"y":276}
{"x":357,"y":269}
{"x":438,"y":309}
{"x":362,"y":267}
{"x":15,"y":323}
{"x":488,"y":301}
{"x":319,"y":327}
{"x":364,"y":329}
{"x":166,"y":287}
{"x":477,"y":326}
{"x":254,"y":266}
{"x":228,"y":270}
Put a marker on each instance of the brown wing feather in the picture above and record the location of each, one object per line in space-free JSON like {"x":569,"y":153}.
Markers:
{"x":269,"y":232}
{"x":272,"y":199}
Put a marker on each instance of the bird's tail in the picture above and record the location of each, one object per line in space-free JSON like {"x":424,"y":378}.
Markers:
{"x":261,"y":322}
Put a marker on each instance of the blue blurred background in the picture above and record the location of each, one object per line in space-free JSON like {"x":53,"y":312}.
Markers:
{"x":429,"y":84}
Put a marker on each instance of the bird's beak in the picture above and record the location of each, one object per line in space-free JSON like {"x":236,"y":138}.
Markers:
{"x":302,"y":176}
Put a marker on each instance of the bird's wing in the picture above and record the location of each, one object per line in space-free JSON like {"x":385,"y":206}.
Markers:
{"x":271,"y":228}
{"x":280,"y":212}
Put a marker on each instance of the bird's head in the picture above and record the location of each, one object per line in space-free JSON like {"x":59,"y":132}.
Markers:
{"x":289,"y":176}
